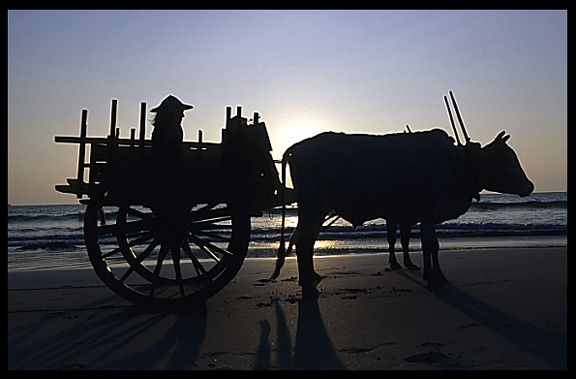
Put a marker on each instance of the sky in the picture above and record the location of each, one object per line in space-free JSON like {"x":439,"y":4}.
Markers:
{"x":305,"y":72}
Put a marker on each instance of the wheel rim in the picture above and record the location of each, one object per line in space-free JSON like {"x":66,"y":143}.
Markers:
{"x":147,"y":258}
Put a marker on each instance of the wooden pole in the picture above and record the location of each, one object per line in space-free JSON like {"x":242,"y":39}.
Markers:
{"x":114,"y":133}
{"x":228,"y":116}
{"x":113,"y":118}
{"x":82,"y":150}
{"x":142,"y":133}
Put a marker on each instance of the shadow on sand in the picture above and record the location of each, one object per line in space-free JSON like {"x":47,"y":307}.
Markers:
{"x":312,"y":349}
{"x":545,"y":344}
{"x":137,"y":338}
{"x":103,"y":335}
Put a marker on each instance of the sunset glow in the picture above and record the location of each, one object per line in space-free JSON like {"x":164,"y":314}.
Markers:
{"x":305,"y":72}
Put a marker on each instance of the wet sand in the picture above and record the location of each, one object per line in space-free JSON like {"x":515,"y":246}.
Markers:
{"x":503,"y":309}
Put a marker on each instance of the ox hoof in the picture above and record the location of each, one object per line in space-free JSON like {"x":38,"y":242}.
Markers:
{"x":411,"y":266}
{"x":309,"y":292}
{"x":436,"y":280}
{"x":395,"y":266}
{"x":309,"y":285}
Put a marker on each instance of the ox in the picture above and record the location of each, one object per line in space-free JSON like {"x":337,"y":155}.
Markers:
{"x":420,"y":177}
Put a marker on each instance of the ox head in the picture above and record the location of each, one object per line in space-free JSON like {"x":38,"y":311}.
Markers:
{"x":499,"y":167}
{"x":501,"y":170}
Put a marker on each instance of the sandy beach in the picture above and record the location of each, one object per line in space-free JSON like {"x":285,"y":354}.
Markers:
{"x":503,"y":309}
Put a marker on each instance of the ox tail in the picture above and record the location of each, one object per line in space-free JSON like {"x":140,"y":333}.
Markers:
{"x":282,"y":253}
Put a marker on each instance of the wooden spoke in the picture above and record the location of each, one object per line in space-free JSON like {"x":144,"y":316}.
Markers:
{"x":111,"y":253}
{"x":210,"y":246}
{"x":177,"y":270}
{"x":214,"y":236}
{"x":195,"y":262}
{"x":148,"y":250}
{"x":205,"y":249}
{"x":146,"y":236}
{"x":200,"y":270}
{"x":127,"y":274}
{"x":160,"y":260}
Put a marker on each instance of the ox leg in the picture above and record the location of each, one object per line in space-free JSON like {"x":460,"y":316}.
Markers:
{"x":432,"y":272}
{"x":309,"y":227}
{"x":391,"y":235}
{"x":308,"y":278}
{"x":405,"y":241}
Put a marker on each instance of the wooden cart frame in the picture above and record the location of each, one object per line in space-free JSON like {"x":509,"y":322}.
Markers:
{"x":187,"y":253}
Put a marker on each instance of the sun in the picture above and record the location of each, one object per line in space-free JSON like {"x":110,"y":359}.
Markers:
{"x":293,"y":132}
{"x":300,"y":131}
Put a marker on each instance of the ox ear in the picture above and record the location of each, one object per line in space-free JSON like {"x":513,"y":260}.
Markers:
{"x":502,"y":137}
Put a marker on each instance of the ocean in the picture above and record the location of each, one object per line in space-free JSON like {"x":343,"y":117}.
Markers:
{"x":51,"y":236}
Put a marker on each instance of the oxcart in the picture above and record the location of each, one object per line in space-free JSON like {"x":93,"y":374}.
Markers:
{"x":184,"y":252}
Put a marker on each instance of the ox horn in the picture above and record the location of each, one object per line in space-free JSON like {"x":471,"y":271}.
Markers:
{"x":452,"y":121}
{"x":466,"y":136}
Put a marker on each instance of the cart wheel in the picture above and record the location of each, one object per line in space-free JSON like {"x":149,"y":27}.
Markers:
{"x":152,"y":260}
